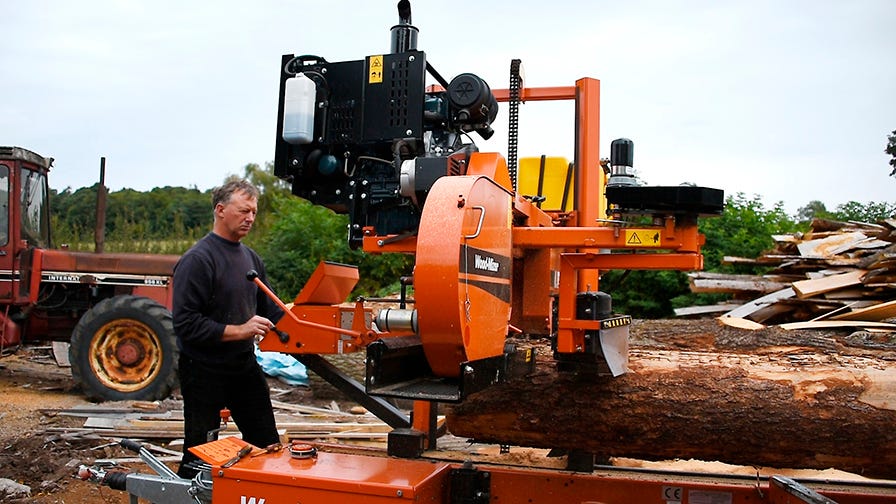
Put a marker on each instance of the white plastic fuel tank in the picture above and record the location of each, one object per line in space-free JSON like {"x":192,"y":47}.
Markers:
{"x":298,"y":109}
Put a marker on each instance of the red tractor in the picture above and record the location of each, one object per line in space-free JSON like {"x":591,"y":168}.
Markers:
{"x":114,"y":309}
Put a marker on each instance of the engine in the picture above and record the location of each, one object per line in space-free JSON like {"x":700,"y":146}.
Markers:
{"x":367,"y":138}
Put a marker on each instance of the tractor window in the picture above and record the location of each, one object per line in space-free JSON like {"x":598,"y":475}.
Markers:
{"x":35,"y":209}
{"x":4,"y":204}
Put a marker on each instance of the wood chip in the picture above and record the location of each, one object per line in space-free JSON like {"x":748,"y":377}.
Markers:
{"x":741,"y":323}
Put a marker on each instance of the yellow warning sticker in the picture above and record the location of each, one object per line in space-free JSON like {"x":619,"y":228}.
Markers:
{"x":643,"y":237}
{"x":616,"y":322}
{"x":375,"y":71}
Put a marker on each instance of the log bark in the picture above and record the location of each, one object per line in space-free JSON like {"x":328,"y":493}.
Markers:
{"x":761,"y":398}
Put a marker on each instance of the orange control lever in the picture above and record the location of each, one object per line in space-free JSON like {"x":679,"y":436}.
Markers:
{"x":252,"y":275}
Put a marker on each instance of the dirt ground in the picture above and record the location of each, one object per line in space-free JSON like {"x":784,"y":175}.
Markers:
{"x":33,"y":389}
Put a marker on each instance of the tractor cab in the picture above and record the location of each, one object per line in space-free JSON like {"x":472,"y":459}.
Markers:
{"x":24,"y":218}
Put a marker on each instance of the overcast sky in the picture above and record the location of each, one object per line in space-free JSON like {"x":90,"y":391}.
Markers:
{"x":788,"y":100}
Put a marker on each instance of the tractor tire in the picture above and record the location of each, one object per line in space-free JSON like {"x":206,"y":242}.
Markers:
{"x":124,"y":348}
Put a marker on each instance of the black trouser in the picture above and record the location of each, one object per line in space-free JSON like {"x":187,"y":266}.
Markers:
{"x":206,"y":392}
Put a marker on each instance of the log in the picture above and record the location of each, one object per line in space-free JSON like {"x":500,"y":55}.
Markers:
{"x":759,"y":398}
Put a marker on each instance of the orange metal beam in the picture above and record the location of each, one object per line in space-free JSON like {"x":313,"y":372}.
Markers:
{"x":538,"y":94}
{"x":590,"y":200}
{"x":684,"y":239}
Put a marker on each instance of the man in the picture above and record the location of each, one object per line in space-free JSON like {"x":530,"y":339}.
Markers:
{"x":218,"y":313}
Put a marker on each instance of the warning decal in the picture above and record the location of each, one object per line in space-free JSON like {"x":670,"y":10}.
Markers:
{"x":643,"y":237}
{"x":375,"y":71}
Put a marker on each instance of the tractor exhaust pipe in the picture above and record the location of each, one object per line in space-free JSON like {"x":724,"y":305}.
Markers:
{"x":99,"y":232}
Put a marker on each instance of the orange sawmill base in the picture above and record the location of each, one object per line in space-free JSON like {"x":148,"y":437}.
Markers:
{"x":330,"y":478}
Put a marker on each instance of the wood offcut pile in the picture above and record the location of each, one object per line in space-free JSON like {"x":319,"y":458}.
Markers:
{"x":159,"y":425}
{"x":839,"y":274}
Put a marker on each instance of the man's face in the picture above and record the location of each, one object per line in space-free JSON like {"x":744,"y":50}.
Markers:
{"x":234,"y":219}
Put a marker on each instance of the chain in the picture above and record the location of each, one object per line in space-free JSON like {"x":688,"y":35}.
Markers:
{"x":513,"y":128}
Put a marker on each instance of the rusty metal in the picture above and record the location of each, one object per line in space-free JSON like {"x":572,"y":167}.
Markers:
{"x":99,"y":232}
{"x":125,"y":354}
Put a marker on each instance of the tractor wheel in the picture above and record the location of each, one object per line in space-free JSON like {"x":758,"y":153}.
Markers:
{"x":124,"y":348}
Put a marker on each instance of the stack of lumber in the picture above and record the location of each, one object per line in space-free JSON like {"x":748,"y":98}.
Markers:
{"x":837,"y":274}
{"x":163,"y":424}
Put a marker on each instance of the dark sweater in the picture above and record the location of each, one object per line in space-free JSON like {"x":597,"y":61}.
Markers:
{"x":211,"y":291}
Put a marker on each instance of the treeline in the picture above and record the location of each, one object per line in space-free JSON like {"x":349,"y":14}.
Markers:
{"x":165,"y":220}
{"x":293,"y":235}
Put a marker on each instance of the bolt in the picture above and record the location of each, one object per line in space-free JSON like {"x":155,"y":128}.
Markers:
{"x":409,"y":132}
{"x":399,"y":493}
{"x":323,"y":70}
{"x":411,"y":58}
{"x":295,"y":162}
{"x":380,"y":243}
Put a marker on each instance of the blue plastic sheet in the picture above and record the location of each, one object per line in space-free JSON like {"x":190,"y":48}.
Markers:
{"x":282,"y":366}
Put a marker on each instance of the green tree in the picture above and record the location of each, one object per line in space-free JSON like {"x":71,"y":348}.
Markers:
{"x":891,"y":150}
{"x":645,"y":294}
{"x":163,"y":220}
{"x":813,"y":210}
{"x":303,"y":234}
{"x":864,"y":212}
{"x":744,"y":229}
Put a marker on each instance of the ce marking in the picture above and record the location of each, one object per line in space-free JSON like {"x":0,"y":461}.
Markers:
{"x":671,"y":494}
